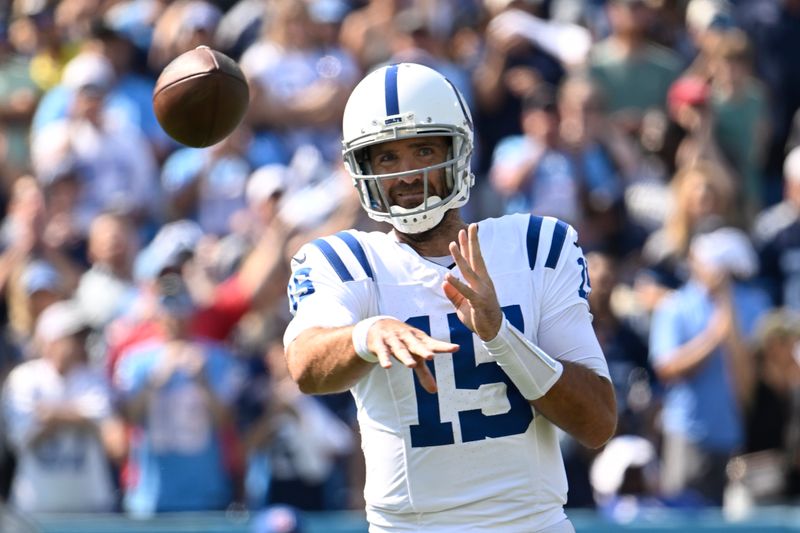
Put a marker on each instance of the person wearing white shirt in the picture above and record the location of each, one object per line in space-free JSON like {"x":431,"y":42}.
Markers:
{"x":60,"y":423}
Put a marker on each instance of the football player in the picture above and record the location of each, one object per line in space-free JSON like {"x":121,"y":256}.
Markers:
{"x":464,"y":346}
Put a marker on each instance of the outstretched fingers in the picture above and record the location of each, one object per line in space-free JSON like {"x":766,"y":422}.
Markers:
{"x":475,"y":255}
{"x":406,"y":344}
{"x":474,"y":296}
{"x":458,"y":253}
{"x":467,"y":255}
{"x":402,"y":352}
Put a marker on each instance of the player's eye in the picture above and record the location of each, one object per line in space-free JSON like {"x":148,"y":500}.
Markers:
{"x":386,"y":157}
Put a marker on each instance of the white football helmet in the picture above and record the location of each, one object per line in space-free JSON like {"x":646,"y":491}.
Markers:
{"x":397,"y":102}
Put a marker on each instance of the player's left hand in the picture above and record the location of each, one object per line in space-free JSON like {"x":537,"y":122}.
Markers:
{"x":474,"y":298}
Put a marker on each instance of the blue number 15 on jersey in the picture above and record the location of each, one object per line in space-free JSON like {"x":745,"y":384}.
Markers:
{"x":431,"y":430}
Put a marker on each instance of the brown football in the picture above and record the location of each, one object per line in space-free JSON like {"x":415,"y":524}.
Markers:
{"x":200,"y":97}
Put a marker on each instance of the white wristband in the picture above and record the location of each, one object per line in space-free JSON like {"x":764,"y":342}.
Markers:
{"x":528,"y":366}
{"x":360,"y":332}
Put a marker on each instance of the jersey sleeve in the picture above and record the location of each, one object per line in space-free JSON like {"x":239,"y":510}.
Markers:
{"x":329,"y":287}
{"x":569,"y":336}
{"x":565,"y":327}
{"x":566,"y":277}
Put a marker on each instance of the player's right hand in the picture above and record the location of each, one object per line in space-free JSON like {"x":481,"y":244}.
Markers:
{"x":392,"y":339}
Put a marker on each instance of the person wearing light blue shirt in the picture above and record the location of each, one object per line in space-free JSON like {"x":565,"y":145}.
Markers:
{"x":177,"y":393}
{"x":698,"y":347}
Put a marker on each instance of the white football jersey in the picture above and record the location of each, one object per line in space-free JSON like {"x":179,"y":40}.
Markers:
{"x":475,"y":454}
{"x":69,"y":471}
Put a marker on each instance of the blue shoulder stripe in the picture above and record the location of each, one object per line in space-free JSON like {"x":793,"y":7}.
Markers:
{"x":534,"y":228}
{"x":357,"y":250}
{"x":559,"y":234}
{"x":333,"y":258}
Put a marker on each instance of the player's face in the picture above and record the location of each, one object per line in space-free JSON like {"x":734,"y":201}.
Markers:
{"x":410,"y":154}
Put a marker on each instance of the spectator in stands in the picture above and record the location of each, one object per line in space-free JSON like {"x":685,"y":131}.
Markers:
{"x":35,"y":34}
{"x":625,"y":350}
{"x":739,"y":102}
{"x":130,"y":93}
{"x":176,"y":392}
{"x":777,"y":231}
{"x":533,"y":171}
{"x":219,"y":304}
{"x":43,"y":286}
{"x":774,"y":28}
{"x":24,"y":245}
{"x":19,"y":96}
{"x":298,"y":440}
{"x":633,"y":378}
{"x":327,"y":17}
{"x":706,"y":21}
{"x":633,"y":72}
{"x":702,"y":198}
{"x":772,"y":430}
{"x":298,"y":87}
{"x":606,"y":160}
{"x":689,"y":107}
{"x":107,"y":288}
{"x":74,"y":18}
{"x":114,"y":160}
{"x":266,"y":187}
{"x":66,"y":219}
{"x":171,"y":251}
{"x":208,"y":186}
{"x":60,"y":422}
{"x":240,"y":26}
{"x":698,"y":350}
{"x":135,"y":19}
{"x":510,"y":67}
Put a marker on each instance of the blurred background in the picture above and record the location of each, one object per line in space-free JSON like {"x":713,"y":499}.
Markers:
{"x":143,"y":283}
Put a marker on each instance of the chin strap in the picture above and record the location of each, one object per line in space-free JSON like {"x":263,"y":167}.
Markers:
{"x":422,"y":221}
{"x":398,"y":211}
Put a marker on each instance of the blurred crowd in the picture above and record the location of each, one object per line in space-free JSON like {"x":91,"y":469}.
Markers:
{"x":143,"y":282}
